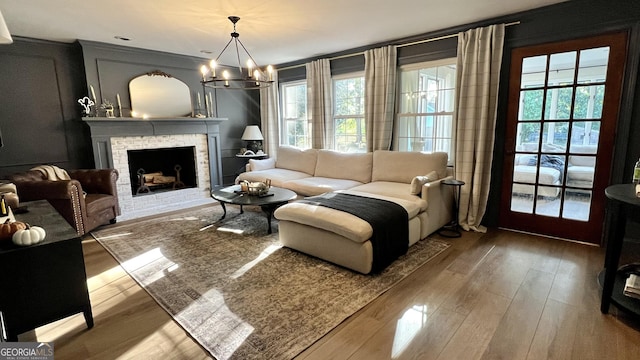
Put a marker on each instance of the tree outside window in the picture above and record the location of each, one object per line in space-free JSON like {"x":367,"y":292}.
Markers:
{"x":350,"y":129}
{"x":295,"y":125}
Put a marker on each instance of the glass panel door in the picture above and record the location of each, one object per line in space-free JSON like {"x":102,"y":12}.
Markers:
{"x":563,"y":104}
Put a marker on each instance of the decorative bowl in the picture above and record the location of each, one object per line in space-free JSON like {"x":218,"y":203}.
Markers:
{"x":257,"y":188}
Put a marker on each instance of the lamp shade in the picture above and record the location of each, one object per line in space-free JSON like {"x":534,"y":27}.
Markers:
{"x":5,"y":36}
{"x":252,"y":132}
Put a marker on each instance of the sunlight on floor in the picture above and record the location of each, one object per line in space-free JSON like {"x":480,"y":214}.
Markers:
{"x":408,"y":326}
{"x":102,"y":238}
{"x":106,"y":291}
{"x":231,"y":230}
{"x":155,"y":262}
{"x":185,"y":218}
{"x":263,"y":255}
{"x":222,"y":324}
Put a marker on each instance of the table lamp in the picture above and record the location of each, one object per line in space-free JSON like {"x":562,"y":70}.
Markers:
{"x":253,"y":137}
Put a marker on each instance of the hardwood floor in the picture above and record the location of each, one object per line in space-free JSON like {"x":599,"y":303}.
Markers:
{"x":500,"y":295}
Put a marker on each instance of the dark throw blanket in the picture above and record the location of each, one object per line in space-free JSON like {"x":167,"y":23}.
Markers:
{"x":390,"y":223}
{"x":550,"y":161}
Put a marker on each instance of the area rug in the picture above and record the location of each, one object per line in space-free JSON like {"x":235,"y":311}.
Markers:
{"x":236,"y":290}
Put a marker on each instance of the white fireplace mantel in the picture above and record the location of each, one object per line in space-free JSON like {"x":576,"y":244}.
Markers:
{"x":103,"y":129}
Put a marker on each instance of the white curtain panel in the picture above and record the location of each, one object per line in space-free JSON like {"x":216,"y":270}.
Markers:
{"x":269,"y":117}
{"x":320,"y":103}
{"x":380,"y":73}
{"x":478,"y":67}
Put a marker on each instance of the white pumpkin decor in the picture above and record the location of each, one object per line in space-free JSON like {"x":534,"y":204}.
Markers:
{"x":29,"y":236}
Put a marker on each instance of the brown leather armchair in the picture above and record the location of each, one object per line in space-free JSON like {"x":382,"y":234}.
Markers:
{"x":86,"y":201}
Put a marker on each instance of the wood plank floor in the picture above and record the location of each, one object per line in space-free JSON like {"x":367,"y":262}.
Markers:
{"x":500,"y":295}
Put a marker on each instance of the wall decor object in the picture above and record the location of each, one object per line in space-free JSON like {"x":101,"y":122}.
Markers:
{"x":159,"y":95}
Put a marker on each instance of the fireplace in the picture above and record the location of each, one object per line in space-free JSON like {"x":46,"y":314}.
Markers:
{"x":163,"y":169}
{"x":114,"y":140}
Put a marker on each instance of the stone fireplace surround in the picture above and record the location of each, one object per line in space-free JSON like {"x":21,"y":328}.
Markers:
{"x":112,"y":137}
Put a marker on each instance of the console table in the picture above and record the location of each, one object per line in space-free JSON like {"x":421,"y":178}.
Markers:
{"x":622,"y":202}
{"x":45,"y":282}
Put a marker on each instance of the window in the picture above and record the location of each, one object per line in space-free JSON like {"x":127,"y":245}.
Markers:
{"x":426,"y":107}
{"x":296,"y":130}
{"x":348,"y":113}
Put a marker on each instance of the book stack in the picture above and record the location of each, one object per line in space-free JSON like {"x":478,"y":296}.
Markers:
{"x":632,"y":286}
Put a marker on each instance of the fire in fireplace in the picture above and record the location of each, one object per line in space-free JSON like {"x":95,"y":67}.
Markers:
{"x":164,"y":169}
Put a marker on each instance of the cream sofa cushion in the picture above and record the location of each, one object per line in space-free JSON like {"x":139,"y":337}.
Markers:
{"x":339,"y":165}
{"x":257,"y":165}
{"x":315,"y":185}
{"x":582,"y":161}
{"x":278,"y":176}
{"x":392,"y":191}
{"x":341,"y":223}
{"x":419,"y":181}
{"x":402,"y":167}
{"x":584,"y":173}
{"x":292,"y":158}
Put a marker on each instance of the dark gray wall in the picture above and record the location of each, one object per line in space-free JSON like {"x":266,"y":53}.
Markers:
{"x":39,"y":118}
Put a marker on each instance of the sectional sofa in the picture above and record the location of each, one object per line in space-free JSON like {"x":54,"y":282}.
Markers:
{"x":579,"y":172}
{"x":410,"y":179}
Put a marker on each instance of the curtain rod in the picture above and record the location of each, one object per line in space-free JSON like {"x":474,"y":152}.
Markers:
{"x":399,"y":45}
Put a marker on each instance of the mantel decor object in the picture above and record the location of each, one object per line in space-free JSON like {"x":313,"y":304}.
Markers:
{"x":251,"y":77}
{"x":107,"y":106}
{"x":86,"y":104}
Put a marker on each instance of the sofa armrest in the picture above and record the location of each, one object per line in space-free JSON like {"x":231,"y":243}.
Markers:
{"x":429,"y":189}
{"x":440,"y":200}
{"x":97,"y":181}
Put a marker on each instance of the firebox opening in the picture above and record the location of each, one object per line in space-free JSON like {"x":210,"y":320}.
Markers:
{"x":165,"y":169}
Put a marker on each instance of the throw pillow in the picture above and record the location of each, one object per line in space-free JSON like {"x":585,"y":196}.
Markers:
{"x":418,"y":181}
{"x":257,"y":165}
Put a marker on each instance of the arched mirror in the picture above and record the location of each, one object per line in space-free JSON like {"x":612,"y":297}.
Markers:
{"x":160,"y":95}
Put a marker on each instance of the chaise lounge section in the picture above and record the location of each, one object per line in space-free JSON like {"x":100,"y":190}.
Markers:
{"x":410,"y":179}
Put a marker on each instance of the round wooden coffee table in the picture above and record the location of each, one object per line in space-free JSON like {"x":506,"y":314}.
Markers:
{"x":275,"y":198}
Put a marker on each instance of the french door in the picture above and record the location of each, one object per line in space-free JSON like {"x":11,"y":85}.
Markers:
{"x":562,"y":114}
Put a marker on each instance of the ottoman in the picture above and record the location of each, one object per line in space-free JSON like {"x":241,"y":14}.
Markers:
{"x":333,"y":235}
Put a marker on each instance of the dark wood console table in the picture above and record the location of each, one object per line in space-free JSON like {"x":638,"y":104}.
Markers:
{"x":622,"y":203}
{"x":45,"y":282}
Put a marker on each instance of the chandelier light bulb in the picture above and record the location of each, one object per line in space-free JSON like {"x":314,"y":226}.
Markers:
{"x":270,"y":71}
{"x":212,"y":65}
{"x":204,"y":71}
{"x":225,"y":75}
{"x":250,"y":66}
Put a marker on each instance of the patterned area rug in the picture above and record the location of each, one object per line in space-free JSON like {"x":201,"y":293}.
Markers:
{"x":236,"y":290}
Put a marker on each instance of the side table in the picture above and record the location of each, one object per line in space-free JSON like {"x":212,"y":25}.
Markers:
{"x":622,"y":202}
{"x":45,"y":282}
{"x":452,"y":230}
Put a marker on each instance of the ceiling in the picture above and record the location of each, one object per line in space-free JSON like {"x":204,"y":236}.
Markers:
{"x":274,"y":31}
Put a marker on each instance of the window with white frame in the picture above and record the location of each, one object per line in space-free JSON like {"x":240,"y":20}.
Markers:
{"x":348,"y":113}
{"x":426,"y":106}
{"x":295,"y":126}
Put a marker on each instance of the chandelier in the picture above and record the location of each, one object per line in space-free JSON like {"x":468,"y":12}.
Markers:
{"x":251,"y":77}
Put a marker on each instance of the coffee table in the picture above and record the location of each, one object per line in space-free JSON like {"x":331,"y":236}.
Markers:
{"x":275,"y":198}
